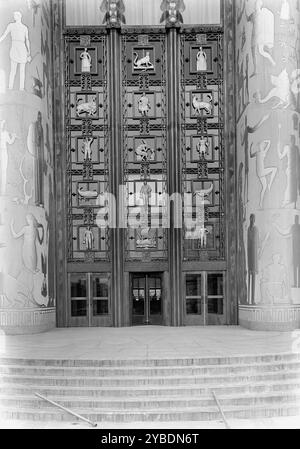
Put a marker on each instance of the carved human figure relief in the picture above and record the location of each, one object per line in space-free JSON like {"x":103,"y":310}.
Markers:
{"x":263,"y":33}
{"x":88,"y":239}
{"x":114,"y":11}
{"x":285,"y":11}
{"x":282,"y":91}
{"x":143,"y":63}
{"x":86,"y":148}
{"x":20,"y":49}
{"x":144,"y":105}
{"x":263,"y":172}
{"x":199,"y":231}
{"x":86,"y":61}
{"x":202,"y":147}
{"x":290,"y":152}
{"x":201,"y":61}
{"x":31,"y":236}
{"x":5,"y":139}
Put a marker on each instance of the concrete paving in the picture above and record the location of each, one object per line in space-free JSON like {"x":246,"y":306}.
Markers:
{"x":148,"y":342}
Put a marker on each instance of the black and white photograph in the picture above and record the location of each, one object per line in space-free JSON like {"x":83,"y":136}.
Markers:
{"x":149,"y":218}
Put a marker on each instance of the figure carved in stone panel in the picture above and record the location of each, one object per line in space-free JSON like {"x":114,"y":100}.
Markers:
{"x":20,"y":49}
{"x":282,"y":91}
{"x":202,"y":105}
{"x":201,"y":61}
{"x":263,"y":172}
{"x":245,"y":143}
{"x":89,"y":107}
{"x":144,"y":153}
{"x":88,"y":239}
{"x":86,"y":148}
{"x":202,"y":147}
{"x":87,"y":194}
{"x":294,"y":233}
{"x":143,"y":63}
{"x":31,"y":236}
{"x":86,"y":61}
{"x":5,"y":139}
{"x":144,"y":105}
{"x":263,"y":33}
{"x":291,"y":154}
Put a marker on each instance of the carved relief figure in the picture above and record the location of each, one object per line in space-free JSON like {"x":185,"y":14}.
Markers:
{"x":86,"y":147}
{"x":31,"y":236}
{"x":200,"y":231}
{"x":200,"y":105}
{"x":281,"y":91}
{"x":143,"y":63}
{"x":89,"y":107}
{"x":263,"y":33}
{"x":87,"y":194}
{"x":285,"y":11}
{"x":145,"y":237}
{"x":144,"y":105}
{"x":293,"y":232}
{"x":5,"y":139}
{"x":20,"y":49}
{"x":262,"y":172}
{"x":172,"y":11}
{"x":86,"y":61}
{"x":274,"y":286}
{"x":145,"y":195}
{"x":245,"y":144}
{"x":88,"y":239}
{"x":201,"y":61}
{"x":202,"y":147}
{"x":143,"y":152}
{"x":291,"y":154}
{"x":253,"y":245}
{"x":114,"y":11}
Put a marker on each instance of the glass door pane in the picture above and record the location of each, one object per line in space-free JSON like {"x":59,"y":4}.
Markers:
{"x":215,"y":299}
{"x":78,"y":300}
{"x":155,"y":297}
{"x":100,"y":295}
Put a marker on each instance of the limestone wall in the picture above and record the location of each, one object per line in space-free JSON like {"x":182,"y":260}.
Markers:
{"x":27,"y":207}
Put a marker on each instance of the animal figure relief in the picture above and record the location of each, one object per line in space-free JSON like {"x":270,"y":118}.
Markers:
{"x":281,"y":91}
{"x":143,"y":152}
{"x":142,"y":63}
{"x":89,"y":108}
{"x":200,"y":105}
{"x":87,"y":194}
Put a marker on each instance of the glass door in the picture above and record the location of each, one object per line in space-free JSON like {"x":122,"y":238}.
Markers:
{"x":204,"y":299}
{"x":146,"y":299}
{"x":88,"y":299}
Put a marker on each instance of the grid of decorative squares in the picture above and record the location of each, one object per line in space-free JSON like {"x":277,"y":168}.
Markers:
{"x":86,"y":131}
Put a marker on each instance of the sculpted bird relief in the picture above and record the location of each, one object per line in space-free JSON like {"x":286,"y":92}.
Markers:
{"x":87,"y":194}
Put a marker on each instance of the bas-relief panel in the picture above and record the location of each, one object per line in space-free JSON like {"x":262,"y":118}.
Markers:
{"x":27,"y":157}
{"x":268,"y":150}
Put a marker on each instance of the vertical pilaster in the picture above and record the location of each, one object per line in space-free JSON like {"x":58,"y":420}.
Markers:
{"x":174,"y":173}
{"x":268,"y":132}
{"x":116,"y":175}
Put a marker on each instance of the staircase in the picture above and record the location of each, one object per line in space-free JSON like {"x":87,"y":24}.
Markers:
{"x":149,"y":391}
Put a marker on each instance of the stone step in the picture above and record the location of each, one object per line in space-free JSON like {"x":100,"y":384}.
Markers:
{"x":152,"y":416}
{"x":130,"y":392}
{"x":149,"y":371}
{"x":284,"y":357}
{"x":143,"y":404}
{"x":135,"y":381}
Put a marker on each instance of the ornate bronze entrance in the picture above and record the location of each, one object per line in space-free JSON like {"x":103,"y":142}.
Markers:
{"x":147,"y":299}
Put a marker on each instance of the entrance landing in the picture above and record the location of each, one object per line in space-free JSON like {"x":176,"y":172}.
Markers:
{"x":148,"y":342}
